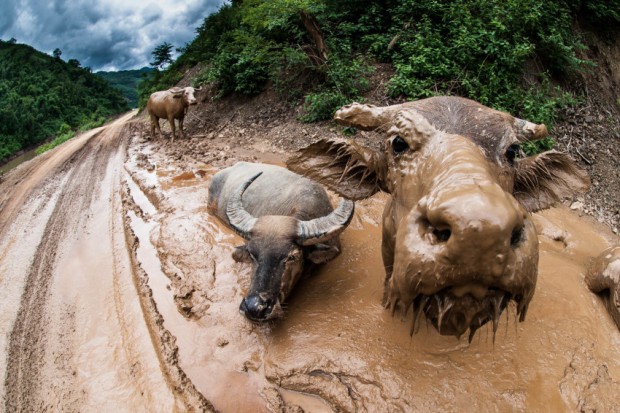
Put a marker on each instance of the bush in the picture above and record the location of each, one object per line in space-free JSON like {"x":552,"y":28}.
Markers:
{"x":322,"y":105}
{"x":480,"y":50}
{"x":242,"y":65}
{"x":605,"y":14}
{"x":64,"y":134}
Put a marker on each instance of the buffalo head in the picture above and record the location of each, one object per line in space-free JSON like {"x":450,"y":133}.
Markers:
{"x":187,"y":94}
{"x":278,"y":246}
{"x":458,"y":242}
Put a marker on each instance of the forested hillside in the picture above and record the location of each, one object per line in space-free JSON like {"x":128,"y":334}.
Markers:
{"x":41,"y":96}
{"x":127,"y":82}
{"x":507,"y":54}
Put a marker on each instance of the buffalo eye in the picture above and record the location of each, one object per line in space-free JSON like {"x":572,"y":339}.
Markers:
{"x":399,"y":145}
{"x":511,"y":153}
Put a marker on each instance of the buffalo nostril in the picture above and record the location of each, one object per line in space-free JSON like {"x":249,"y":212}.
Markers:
{"x":255,"y":308}
{"x":442,"y":235}
{"x":432,"y":234}
{"x":516,"y":237}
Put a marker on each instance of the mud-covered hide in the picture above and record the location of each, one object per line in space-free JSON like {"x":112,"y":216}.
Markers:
{"x":287,"y":221}
{"x":603,"y":278}
{"x":458,"y":242}
{"x":170,"y":104}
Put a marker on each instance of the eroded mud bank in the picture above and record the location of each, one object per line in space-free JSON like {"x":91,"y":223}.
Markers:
{"x":337,"y":349}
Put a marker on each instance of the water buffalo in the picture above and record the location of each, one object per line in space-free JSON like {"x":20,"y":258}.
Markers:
{"x":170,"y":104}
{"x":287,"y":221}
{"x":604,"y":278}
{"x":458,"y":241}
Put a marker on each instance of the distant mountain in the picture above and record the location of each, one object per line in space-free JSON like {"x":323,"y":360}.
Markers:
{"x":127,"y":82}
{"x":41,"y":95}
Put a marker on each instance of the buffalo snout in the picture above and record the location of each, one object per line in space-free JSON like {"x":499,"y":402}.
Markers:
{"x":260,"y":307}
{"x":462,"y":256}
{"x":476,"y":226}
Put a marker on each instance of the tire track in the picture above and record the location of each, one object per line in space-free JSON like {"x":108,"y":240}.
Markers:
{"x":28,"y":339}
{"x":85,"y":334}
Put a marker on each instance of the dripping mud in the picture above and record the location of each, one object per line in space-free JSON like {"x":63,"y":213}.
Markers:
{"x":148,"y":266}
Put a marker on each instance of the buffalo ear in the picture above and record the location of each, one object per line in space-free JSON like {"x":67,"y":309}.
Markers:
{"x":241,"y":254}
{"x":544,"y":179}
{"x":347,"y":168}
{"x":322,"y":253}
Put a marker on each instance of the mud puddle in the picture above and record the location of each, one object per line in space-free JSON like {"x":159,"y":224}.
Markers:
{"x":199,"y":304}
{"x":72,"y":330}
{"x":337,"y":349}
{"x":18,"y":161}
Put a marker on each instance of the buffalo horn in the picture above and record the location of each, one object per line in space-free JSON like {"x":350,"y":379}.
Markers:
{"x":241,"y":221}
{"x":321,"y":229}
{"x":177,"y":91}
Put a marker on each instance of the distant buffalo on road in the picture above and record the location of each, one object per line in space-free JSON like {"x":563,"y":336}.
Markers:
{"x":170,"y":104}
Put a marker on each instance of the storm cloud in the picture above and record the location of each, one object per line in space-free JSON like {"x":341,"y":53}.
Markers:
{"x":103,"y":34}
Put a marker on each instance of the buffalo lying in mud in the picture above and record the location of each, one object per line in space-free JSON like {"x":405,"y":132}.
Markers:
{"x":287,"y":221}
{"x":458,"y":241}
{"x":170,"y":104}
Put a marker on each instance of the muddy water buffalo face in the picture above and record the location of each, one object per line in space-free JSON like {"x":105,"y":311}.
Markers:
{"x":458,"y":242}
{"x":277,"y":247}
{"x":187,"y":94}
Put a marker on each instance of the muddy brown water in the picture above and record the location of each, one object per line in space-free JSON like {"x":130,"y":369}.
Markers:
{"x":337,"y":349}
{"x":26,"y":156}
{"x":119,"y":293}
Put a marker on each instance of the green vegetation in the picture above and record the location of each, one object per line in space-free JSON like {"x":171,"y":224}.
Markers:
{"x":321,"y":52}
{"x":63,"y":134}
{"x":127,"y":82}
{"x":41,"y":96}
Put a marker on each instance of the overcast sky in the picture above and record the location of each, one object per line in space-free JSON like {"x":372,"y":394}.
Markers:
{"x":103,"y":34}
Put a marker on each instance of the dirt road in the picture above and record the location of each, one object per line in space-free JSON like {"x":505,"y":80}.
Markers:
{"x":72,"y":331}
{"x":118,"y":293}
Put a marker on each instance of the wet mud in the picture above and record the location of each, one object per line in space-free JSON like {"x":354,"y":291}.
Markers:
{"x":338,"y":349}
{"x":73,"y":331}
{"x":124,"y":297}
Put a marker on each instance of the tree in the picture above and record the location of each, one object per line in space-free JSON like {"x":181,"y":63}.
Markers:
{"x":318,"y":54}
{"x":12,"y":40}
{"x":162,"y":55}
{"x":270,"y":14}
{"x":56,"y":53}
{"x":74,"y":62}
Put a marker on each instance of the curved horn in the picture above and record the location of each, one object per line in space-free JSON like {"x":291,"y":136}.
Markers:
{"x":176,"y":91}
{"x":321,"y":229}
{"x":240,"y":219}
{"x":528,"y":131}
